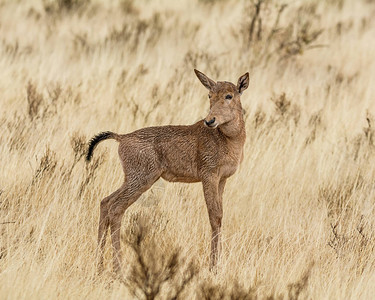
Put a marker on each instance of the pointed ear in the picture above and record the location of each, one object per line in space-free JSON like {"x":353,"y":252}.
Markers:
{"x":207,"y":82}
{"x":243,"y":83}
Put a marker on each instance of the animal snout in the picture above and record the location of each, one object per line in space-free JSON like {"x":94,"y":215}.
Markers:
{"x":209,"y":123}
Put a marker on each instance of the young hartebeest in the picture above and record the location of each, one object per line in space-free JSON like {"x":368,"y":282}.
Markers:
{"x":208,"y":151}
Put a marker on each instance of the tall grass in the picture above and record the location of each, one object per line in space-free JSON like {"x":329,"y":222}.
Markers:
{"x":298,"y":214}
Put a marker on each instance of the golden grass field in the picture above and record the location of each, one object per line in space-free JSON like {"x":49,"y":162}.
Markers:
{"x":299,"y":215}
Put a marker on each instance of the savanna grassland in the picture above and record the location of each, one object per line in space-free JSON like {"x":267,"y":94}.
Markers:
{"x":299,"y":214}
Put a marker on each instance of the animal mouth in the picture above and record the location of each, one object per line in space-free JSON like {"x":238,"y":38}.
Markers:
{"x":213,"y":125}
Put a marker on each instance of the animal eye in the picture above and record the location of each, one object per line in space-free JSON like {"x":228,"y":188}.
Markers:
{"x":209,"y":96}
{"x":228,"y":96}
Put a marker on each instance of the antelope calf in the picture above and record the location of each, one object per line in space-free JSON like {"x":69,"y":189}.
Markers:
{"x":208,"y":151}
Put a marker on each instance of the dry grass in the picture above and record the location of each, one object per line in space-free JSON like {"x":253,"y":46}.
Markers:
{"x":299,"y":214}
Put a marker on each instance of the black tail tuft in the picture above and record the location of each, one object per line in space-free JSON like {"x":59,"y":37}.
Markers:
{"x":96,"y":139}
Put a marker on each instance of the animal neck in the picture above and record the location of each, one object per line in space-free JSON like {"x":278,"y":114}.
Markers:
{"x":234,"y":130}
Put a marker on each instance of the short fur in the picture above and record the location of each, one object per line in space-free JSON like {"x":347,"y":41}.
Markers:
{"x":193,"y":153}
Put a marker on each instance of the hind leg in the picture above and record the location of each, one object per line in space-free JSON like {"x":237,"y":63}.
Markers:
{"x":119,"y":201}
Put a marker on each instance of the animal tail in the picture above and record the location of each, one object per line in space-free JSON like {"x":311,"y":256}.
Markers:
{"x":97,"y":139}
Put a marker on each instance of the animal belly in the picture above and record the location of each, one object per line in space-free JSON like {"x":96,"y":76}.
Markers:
{"x":181,"y":167}
{"x":175,"y":177}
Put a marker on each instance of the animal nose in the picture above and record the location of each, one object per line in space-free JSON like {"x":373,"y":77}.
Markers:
{"x":209,"y":122}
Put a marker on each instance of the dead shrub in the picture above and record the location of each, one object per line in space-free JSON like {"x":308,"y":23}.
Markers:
{"x":259,"y":118}
{"x":285,"y":110}
{"x":128,"y":7}
{"x":315,"y":124}
{"x":369,"y":131}
{"x":78,"y":143}
{"x":363,"y":145}
{"x":136,"y":30}
{"x":353,"y":242}
{"x":295,"y":290}
{"x":210,"y":291}
{"x":47,"y":165}
{"x":293,"y":31}
{"x":155,"y":271}
{"x":34,"y":101}
{"x":79,"y":147}
{"x":337,"y":197}
{"x":40,"y":106}
{"x":159,"y":272}
{"x":59,"y":7}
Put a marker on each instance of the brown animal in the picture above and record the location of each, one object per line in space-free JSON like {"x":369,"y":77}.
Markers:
{"x":208,"y":151}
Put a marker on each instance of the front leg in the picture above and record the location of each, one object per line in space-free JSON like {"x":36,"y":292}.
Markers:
{"x":212,"y":194}
{"x":221,"y":188}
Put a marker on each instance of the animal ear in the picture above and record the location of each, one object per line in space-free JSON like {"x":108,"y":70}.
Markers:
{"x":243,"y":83}
{"x":207,"y":82}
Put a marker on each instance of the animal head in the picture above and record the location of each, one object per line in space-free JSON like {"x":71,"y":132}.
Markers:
{"x":225,"y":104}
